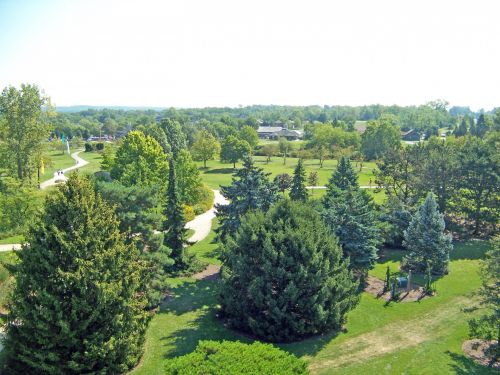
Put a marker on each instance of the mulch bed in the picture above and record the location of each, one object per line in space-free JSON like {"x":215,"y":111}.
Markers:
{"x":212,"y":272}
{"x":375,"y":287}
{"x":482,"y":352}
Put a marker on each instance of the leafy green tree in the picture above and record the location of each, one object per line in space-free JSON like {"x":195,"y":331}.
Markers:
{"x":17,"y":206}
{"x":482,"y":126}
{"x":269,"y":151}
{"x":284,"y":276}
{"x":234,"y":149}
{"x":23,"y":129}
{"x":380,"y":137}
{"x":234,"y":357}
{"x":487,"y":326}
{"x":477,"y":192}
{"x":395,"y":218}
{"x":398,"y":173}
{"x":438,"y":171}
{"x":284,"y":146}
{"x":188,"y":178}
{"x":78,"y":301}
{"x":313,"y":180}
{"x":298,"y":191}
{"x":174,"y":225}
{"x":108,"y":158}
{"x":249,"y":190}
{"x":205,"y":147}
{"x":249,"y":134}
{"x":283,"y":181}
{"x":139,"y":160}
{"x":426,"y":241}
{"x":175,"y":137}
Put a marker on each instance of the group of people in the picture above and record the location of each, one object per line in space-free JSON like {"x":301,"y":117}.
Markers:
{"x":60,"y":172}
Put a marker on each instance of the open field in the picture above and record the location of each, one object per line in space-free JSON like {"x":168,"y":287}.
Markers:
{"x":379,"y":338}
{"x":218,"y":173}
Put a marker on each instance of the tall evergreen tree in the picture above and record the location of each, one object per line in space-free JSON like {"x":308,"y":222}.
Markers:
{"x":284,"y":276}
{"x":250,"y":190}
{"x":351,"y":216}
{"x":344,"y":176}
{"x":174,"y":225}
{"x":426,"y":241}
{"x":137,"y":210}
{"x":298,"y":191}
{"x":78,"y":305}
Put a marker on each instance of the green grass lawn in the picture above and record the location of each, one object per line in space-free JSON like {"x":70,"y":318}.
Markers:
{"x":398,"y":338}
{"x":218,"y":173}
{"x":58,"y":161}
{"x":94,"y":159}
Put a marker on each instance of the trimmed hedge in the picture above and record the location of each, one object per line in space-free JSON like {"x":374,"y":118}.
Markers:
{"x":228,"y":357}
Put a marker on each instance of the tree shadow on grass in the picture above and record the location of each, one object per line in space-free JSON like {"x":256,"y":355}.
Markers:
{"x":220,"y":171}
{"x":464,"y":366}
{"x":190,"y":296}
{"x":202,"y":295}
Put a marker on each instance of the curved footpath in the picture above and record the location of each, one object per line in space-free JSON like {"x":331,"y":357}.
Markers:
{"x":201,"y":224}
{"x":54,"y":180}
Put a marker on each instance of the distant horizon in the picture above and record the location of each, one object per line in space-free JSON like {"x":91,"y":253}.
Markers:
{"x":139,"y":107}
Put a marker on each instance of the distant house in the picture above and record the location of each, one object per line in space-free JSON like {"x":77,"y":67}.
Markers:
{"x":275,"y":132}
{"x":411,"y":135}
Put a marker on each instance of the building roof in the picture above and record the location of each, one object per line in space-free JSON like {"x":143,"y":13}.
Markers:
{"x":269,"y":129}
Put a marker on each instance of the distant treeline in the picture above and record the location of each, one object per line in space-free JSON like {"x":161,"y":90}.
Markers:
{"x":425,"y":118}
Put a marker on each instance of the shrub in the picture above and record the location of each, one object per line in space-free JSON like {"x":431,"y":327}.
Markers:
{"x":226,"y":357}
{"x":188,"y":212}
{"x":89,"y":147}
{"x":206,"y":200}
{"x":99,"y":146}
{"x":284,"y":276}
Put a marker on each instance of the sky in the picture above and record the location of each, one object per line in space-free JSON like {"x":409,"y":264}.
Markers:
{"x":190,"y":53}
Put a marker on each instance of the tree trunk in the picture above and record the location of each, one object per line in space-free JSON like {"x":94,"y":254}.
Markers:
{"x":204,"y":163}
{"x":234,"y":165}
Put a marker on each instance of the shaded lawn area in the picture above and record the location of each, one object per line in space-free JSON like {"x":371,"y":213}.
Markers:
{"x":218,"y":173}
{"x":415,"y":338}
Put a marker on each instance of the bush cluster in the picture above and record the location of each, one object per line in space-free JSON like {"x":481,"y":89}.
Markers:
{"x":226,"y":357}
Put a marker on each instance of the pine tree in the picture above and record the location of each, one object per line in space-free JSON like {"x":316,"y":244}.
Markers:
{"x":250,"y":190}
{"x":426,"y":241}
{"x":174,"y":226}
{"x":136,"y":208}
{"x":351,"y":216}
{"x":298,"y":191}
{"x":78,"y":305}
{"x":343,"y":178}
{"x":284,"y":276}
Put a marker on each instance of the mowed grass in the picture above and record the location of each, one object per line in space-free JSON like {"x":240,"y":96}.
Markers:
{"x":398,"y":338}
{"x":58,"y":161}
{"x":217,"y":173}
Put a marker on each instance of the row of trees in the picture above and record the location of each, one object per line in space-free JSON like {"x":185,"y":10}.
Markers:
{"x":461,"y":172}
{"x":291,"y":266}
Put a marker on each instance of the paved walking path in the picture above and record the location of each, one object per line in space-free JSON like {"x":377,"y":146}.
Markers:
{"x":60,"y":178}
{"x":202,"y":224}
